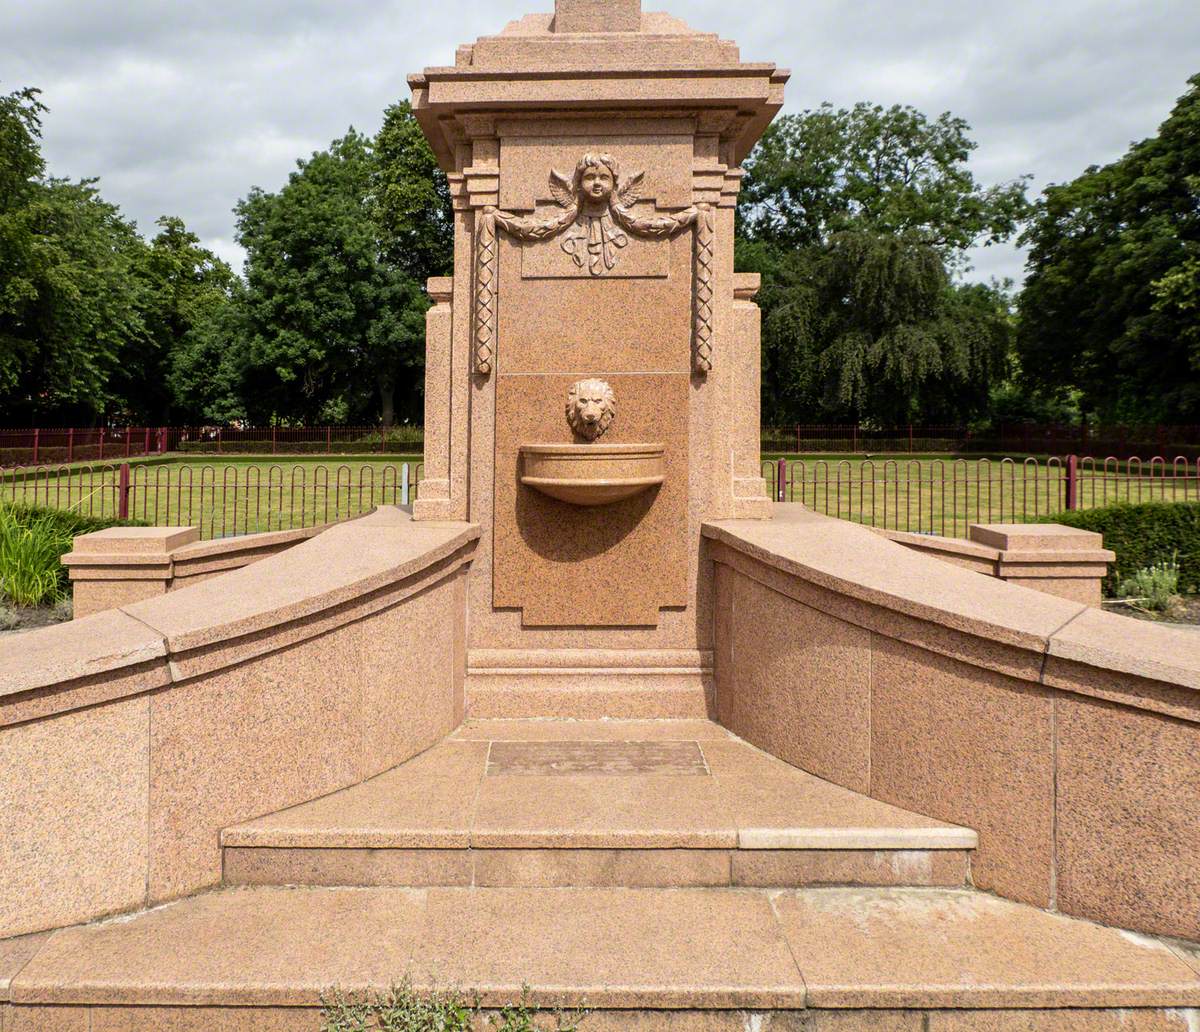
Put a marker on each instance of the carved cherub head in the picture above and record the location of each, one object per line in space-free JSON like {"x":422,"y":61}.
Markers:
{"x":596,"y":184}
{"x":591,"y":408}
{"x":596,"y":178}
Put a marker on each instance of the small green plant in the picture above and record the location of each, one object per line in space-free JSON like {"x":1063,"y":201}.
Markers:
{"x":30,"y":571}
{"x":1153,"y":587}
{"x":522,"y":1017}
{"x":33,"y":541}
{"x":8,"y":619}
{"x":404,"y":1009}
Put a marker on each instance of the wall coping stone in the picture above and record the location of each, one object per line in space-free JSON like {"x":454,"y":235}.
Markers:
{"x":852,"y":561}
{"x":330,"y":570}
{"x":156,"y":541}
{"x":104,"y":643}
{"x":247,"y":542}
{"x":936,"y":543}
{"x":855,"y":562}
{"x":1035,"y":537}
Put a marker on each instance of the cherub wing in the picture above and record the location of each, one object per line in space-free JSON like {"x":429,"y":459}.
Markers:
{"x":562,"y":189}
{"x":630,"y":191}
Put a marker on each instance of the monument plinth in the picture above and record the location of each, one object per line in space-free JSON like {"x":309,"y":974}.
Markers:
{"x":593,"y":156}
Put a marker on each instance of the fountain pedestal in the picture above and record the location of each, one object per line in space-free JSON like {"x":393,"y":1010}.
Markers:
{"x":593,"y":157}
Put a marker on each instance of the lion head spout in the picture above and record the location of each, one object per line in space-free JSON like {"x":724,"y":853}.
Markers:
{"x":591,"y":408}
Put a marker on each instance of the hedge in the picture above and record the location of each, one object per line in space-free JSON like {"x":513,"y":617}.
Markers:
{"x":66,"y":521}
{"x":363,"y":446}
{"x":1142,"y":535}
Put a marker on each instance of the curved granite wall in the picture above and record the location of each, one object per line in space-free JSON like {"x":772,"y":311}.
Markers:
{"x":1067,"y":737}
{"x":129,"y":738}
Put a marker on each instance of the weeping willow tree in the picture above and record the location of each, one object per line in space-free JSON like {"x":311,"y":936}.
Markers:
{"x":860,"y":221}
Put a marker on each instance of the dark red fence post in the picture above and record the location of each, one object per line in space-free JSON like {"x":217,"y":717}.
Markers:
{"x":102,"y":444}
{"x":274,"y":440}
{"x":1072,"y":482}
{"x":329,"y":440}
{"x":910,"y":439}
{"x":36,"y":442}
{"x":146,"y":446}
{"x":219,"y":447}
{"x":70,"y":444}
{"x":128,"y":437}
{"x":854,"y":440}
{"x":123,"y":492}
{"x":781,"y":481}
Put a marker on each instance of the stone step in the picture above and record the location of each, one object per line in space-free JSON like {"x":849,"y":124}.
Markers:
{"x":595,"y":803}
{"x":685,"y":960}
{"x":581,"y":684}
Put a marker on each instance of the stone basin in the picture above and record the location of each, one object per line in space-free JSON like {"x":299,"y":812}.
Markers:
{"x":592,"y":474}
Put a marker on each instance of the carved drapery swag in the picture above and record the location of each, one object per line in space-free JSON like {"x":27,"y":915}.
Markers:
{"x":597,"y":215}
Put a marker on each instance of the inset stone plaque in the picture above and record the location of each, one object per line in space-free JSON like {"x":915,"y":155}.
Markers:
{"x":596,"y":758}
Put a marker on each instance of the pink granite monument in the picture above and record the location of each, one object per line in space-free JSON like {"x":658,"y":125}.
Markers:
{"x":593,"y":156}
{"x":285,"y":738}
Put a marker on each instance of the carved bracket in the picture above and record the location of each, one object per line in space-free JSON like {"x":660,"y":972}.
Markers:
{"x":597,"y":214}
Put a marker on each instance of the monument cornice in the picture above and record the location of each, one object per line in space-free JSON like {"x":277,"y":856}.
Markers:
{"x":744,"y":97}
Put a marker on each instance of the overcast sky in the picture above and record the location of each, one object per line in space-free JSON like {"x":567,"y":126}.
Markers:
{"x":180,"y":106}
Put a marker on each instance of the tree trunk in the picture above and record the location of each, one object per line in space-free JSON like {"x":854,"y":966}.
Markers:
{"x":387,"y":399}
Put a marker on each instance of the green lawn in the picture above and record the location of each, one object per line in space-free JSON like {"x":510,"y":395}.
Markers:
{"x":931,"y":493}
{"x":241,"y":495}
{"x":944,"y":495}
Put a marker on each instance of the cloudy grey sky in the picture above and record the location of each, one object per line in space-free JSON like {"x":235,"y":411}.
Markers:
{"x":180,"y":106}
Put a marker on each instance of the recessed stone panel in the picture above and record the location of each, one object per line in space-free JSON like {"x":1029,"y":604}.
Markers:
{"x":609,"y":565}
{"x":665,"y":160}
{"x":639,"y":259}
{"x":586,"y":325}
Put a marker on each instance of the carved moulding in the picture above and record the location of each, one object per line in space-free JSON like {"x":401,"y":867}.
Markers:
{"x":597,"y":214}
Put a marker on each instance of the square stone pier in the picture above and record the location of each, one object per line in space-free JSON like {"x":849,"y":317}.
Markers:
{"x":592,"y":384}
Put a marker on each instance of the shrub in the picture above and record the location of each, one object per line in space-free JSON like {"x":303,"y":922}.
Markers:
{"x":399,"y":440}
{"x":1155,"y":587}
{"x":1143,"y":536}
{"x":32,"y":544}
{"x":403,"y":1009}
{"x":30,"y":550}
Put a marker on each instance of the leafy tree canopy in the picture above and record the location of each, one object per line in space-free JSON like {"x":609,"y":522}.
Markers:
{"x":1110,"y":305}
{"x":184,"y":288}
{"x":333,"y":311}
{"x":21,"y":169}
{"x":89,"y":312}
{"x":858,"y":220}
{"x":412,"y":197}
{"x":81,"y":303}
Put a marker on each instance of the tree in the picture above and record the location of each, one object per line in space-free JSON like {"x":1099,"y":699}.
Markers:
{"x":1110,"y":303}
{"x":183,"y":286}
{"x":412,"y":197}
{"x":331,"y":316}
{"x":68,"y":304}
{"x":334,"y":310}
{"x":82,"y":304}
{"x":859,"y":219}
{"x":89,"y":314}
{"x":210,"y":369}
{"x":21,"y":169}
